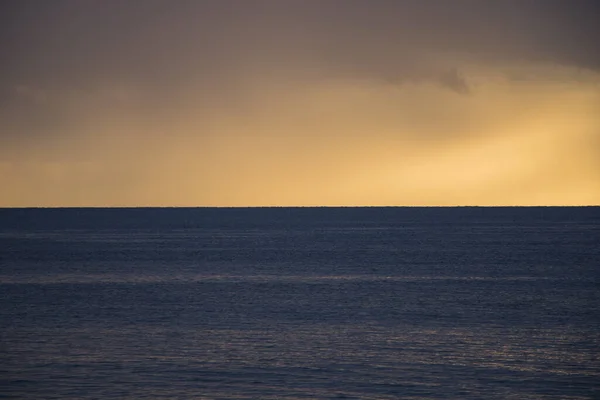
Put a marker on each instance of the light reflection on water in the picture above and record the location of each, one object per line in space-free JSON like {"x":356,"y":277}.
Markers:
{"x":445,"y":307}
{"x":305,"y":361}
{"x":307,"y":338}
{"x":83,"y":278}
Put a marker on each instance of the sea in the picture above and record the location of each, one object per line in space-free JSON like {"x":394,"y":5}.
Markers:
{"x":300,"y":303}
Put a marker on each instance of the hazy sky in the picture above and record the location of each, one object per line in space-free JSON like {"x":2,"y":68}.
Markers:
{"x":299,"y":102}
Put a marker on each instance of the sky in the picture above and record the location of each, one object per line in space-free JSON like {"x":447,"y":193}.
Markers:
{"x":299,"y":103}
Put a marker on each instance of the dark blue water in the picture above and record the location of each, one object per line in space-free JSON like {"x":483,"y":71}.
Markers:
{"x":304,"y":303}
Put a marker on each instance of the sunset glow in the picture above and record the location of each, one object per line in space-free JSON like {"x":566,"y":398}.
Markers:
{"x":287,"y":128}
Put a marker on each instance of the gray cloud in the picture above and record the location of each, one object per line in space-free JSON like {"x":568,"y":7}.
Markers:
{"x":166,"y":43}
{"x":213,"y":98}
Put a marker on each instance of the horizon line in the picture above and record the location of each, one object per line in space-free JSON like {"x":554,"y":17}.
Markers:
{"x":293,"y":206}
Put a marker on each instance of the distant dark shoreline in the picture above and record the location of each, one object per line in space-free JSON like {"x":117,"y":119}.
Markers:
{"x":275,"y":207}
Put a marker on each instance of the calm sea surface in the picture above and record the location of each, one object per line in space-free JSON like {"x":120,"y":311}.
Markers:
{"x":300,"y":303}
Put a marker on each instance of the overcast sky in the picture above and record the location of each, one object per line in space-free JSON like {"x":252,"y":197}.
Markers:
{"x":299,"y":102}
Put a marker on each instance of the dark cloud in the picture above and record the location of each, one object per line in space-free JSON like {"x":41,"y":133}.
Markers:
{"x":455,"y":81}
{"x":219,"y":48}
{"x":166,"y":43}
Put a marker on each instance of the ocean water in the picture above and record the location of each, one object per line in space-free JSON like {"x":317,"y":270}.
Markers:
{"x":300,"y":303}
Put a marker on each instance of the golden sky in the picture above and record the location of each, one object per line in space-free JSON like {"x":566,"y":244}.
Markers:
{"x":265,"y":103}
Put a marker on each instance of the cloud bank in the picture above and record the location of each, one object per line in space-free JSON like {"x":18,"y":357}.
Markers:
{"x":289,"y":103}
